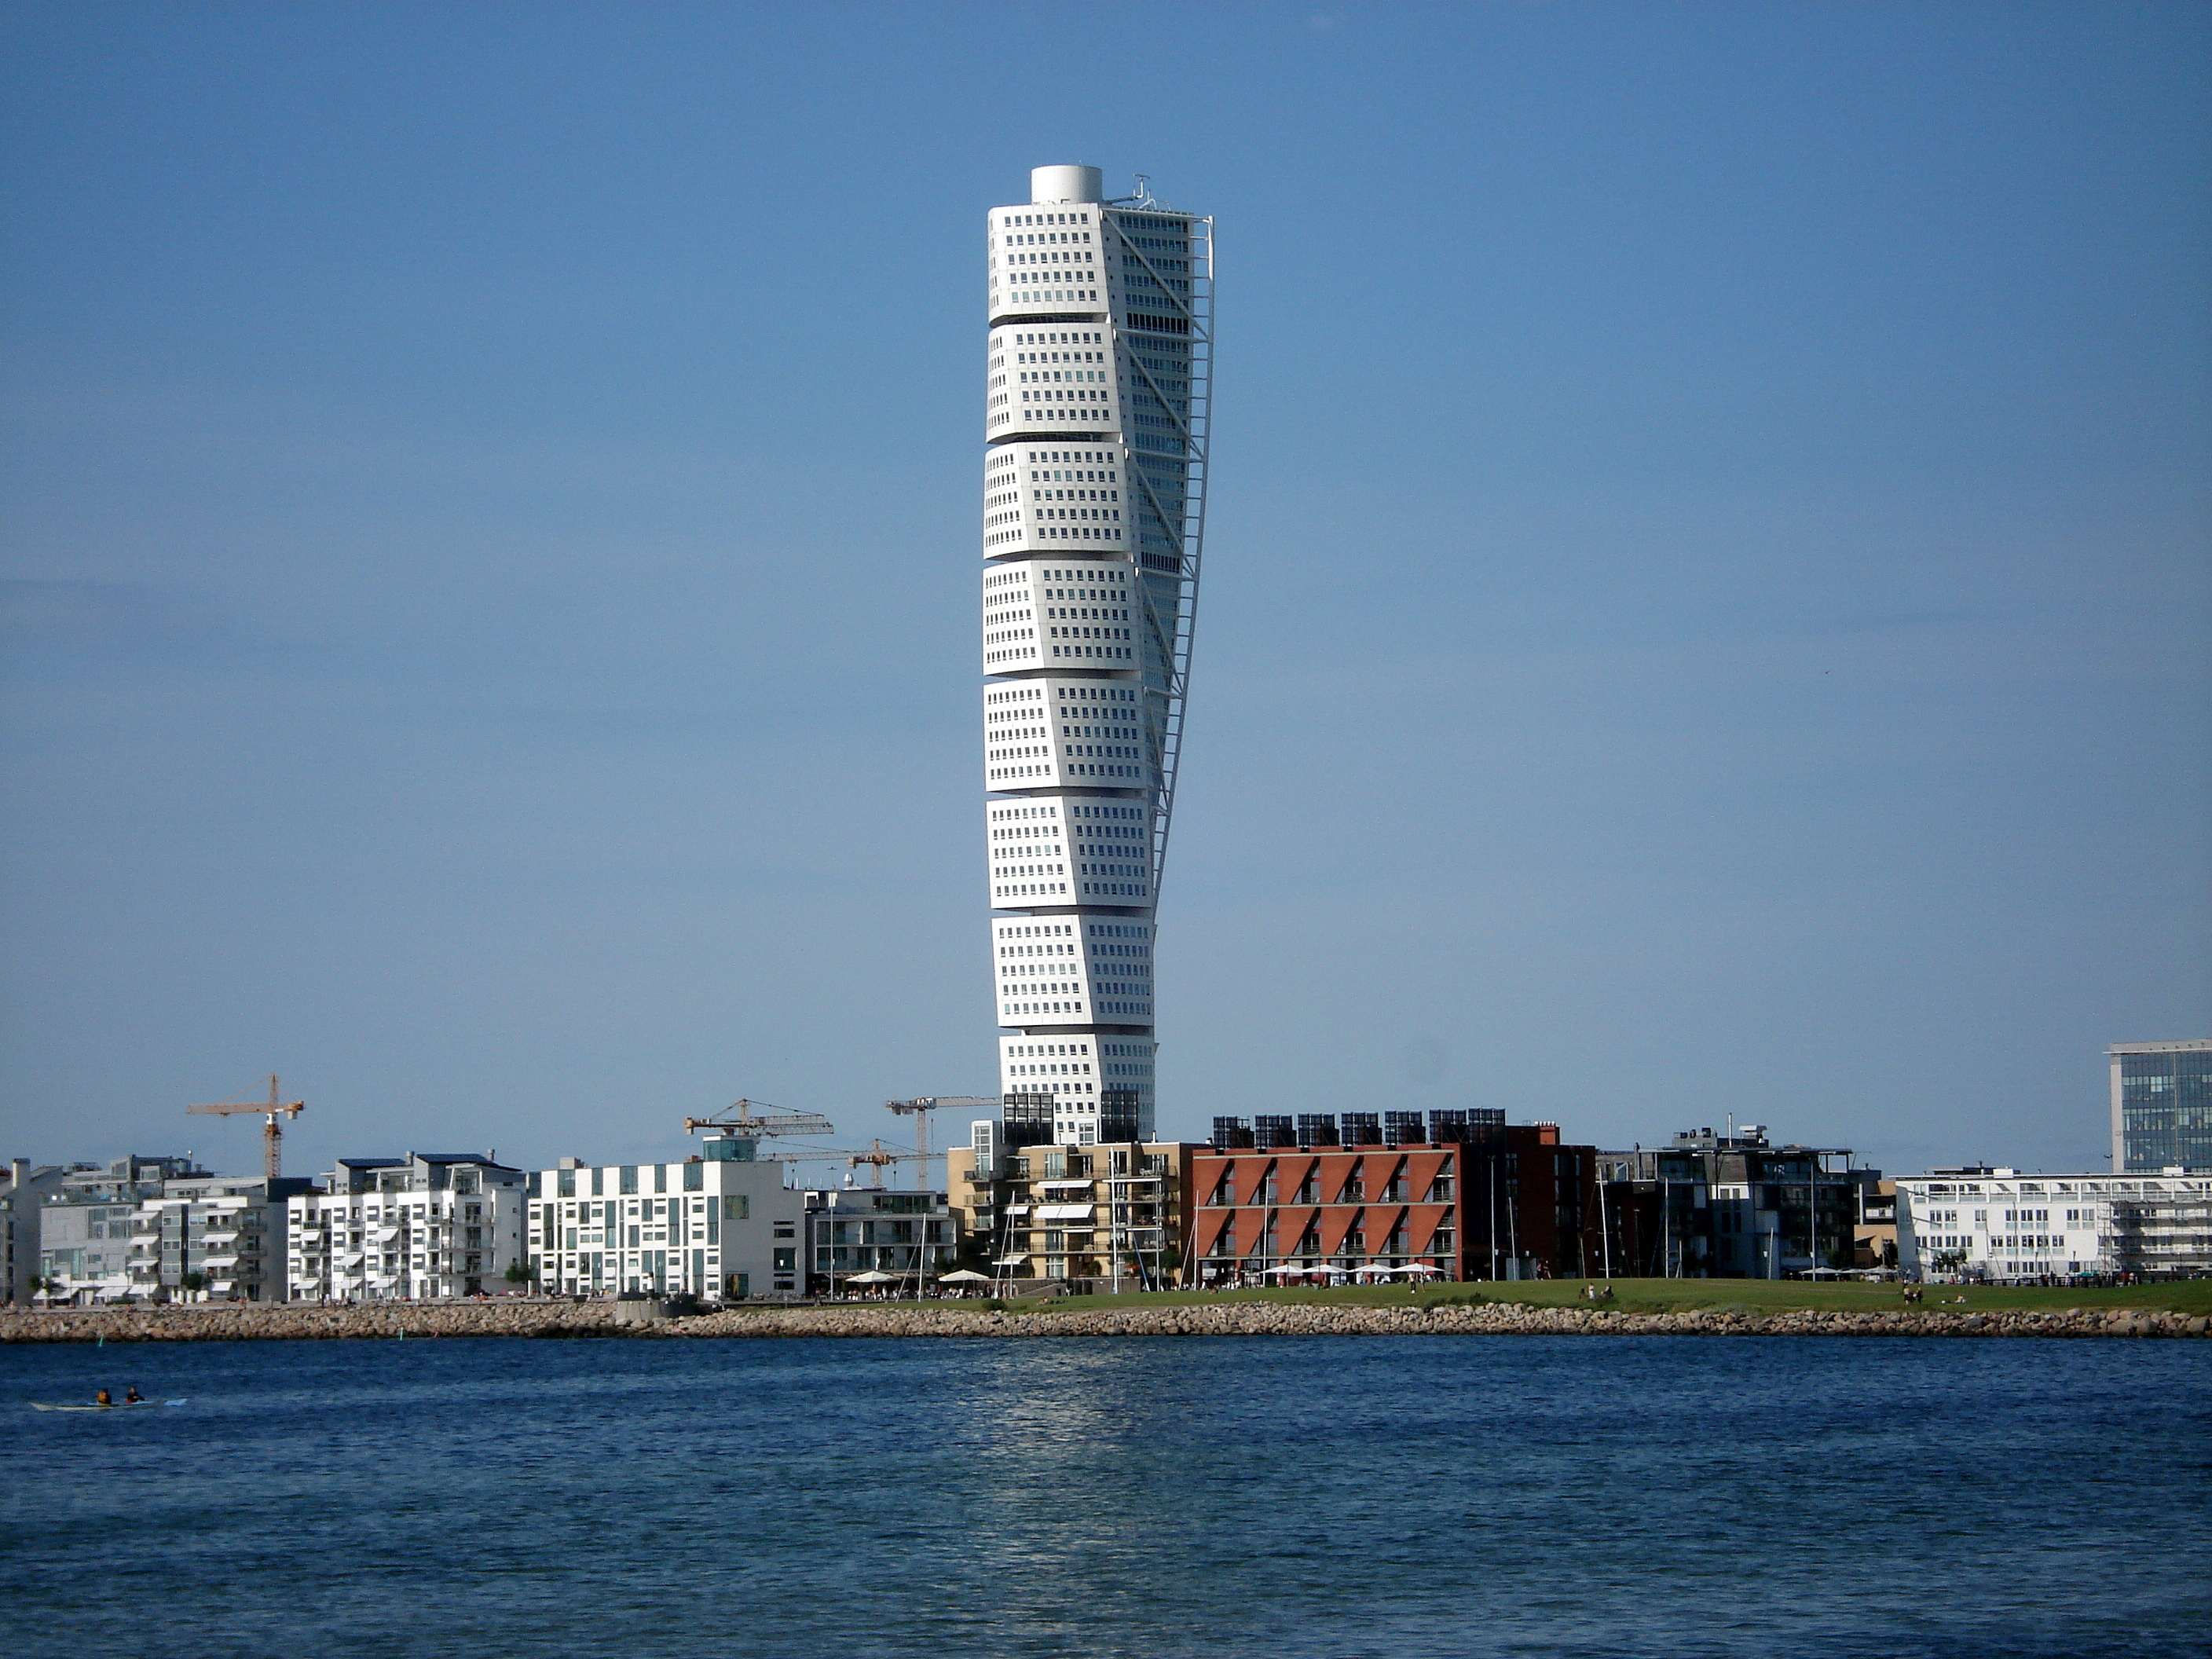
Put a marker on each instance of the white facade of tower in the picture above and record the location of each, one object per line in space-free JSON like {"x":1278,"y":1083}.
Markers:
{"x":1099,"y":369}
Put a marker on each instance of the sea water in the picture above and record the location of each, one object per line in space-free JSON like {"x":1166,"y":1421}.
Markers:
{"x":1423,"y":1497}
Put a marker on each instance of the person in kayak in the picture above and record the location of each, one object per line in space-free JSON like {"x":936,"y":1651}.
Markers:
{"x":132,"y":1397}
{"x":102,"y":1399}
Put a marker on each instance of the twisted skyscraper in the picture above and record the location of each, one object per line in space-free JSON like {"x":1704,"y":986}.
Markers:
{"x":1094,"y":500}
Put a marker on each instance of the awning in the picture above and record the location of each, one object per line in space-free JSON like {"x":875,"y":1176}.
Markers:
{"x":1063,"y":1211}
{"x":1010,"y":1261}
{"x":1049,"y":1185}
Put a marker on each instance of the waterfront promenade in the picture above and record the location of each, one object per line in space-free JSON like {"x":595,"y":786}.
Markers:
{"x":543,"y":1318}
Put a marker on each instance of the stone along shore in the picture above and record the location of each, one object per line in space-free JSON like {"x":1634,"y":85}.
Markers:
{"x":302,"y":1322}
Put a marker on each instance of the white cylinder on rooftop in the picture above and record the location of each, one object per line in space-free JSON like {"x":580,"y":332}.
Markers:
{"x":1066,"y":184}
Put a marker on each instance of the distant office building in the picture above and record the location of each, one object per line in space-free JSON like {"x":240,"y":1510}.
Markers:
{"x":1730,"y":1206}
{"x":720,"y":1225}
{"x":1981,"y":1222}
{"x":428,"y":1226}
{"x":910,"y":1237}
{"x":1358,"y":1194}
{"x":2162,"y":1106}
{"x":1093,"y":1216}
{"x":213,"y":1237}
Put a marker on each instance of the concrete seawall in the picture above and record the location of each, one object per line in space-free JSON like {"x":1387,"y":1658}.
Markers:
{"x":302,"y":1322}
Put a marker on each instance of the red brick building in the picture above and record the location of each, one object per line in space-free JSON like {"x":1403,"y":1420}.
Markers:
{"x":1507,"y":1202}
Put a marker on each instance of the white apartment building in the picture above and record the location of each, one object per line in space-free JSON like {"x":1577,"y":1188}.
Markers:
{"x":1997,"y":1224}
{"x":720,"y":1225}
{"x":1098,"y":366}
{"x":426,"y":1226}
{"x":84,"y":1248}
{"x":88,"y":1226}
{"x":215,"y":1238}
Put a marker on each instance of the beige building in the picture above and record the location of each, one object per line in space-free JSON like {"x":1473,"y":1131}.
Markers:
{"x":1096,"y":1217}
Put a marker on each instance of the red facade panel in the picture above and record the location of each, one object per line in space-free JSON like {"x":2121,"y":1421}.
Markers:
{"x":1520,"y":1204}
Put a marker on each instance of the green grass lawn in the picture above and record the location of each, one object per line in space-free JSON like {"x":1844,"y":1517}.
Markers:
{"x":1680,"y":1295}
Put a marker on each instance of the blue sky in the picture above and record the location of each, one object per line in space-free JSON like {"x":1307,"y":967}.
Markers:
{"x":1706,"y":609}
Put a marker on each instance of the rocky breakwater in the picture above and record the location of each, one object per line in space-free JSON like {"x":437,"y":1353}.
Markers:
{"x":293,"y":1321}
{"x":1483,"y":1319}
{"x":301,"y":1322}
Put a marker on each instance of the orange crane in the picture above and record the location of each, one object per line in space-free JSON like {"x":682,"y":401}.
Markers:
{"x":920,"y":1108}
{"x":272,"y":1133}
{"x":747,"y":1121}
{"x":879,"y":1158}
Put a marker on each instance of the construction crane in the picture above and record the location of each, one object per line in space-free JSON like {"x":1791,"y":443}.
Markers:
{"x":878,"y":1158}
{"x":921,"y":1106}
{"x":755,"y":1119}
{"x":272,"y":1133}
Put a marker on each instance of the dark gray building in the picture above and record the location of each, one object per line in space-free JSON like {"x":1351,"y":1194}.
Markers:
{"x":1730,"y":1206}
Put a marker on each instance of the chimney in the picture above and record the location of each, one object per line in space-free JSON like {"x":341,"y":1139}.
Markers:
{"x":19,"y":1172}
{"x":491,"y":1154}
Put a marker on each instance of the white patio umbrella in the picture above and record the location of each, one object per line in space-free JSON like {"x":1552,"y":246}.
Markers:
{"x":963,"y":1276}
{"x":872,"y":1277}
{"x":1420,"y":1267}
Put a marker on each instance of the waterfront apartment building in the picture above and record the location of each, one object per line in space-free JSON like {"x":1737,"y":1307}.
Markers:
{"x":1987,"y":1223}
{"x":721,"y":1225}
{"x":214,"y":1238}
{"x":1094,"y":1215}
{"x":1731,"y":1205}
{"x":88,"y":1222}
{"x":1098,"y":363}
{"x":1362,"y":1195}
{"x":2161,"y":1095}
{"x":84,"y":1247}
{"x":428,"y":1226}
{"x":911,"y":1236}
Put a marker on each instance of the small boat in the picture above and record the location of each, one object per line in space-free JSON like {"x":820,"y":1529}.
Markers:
{"x":117,"y":1405}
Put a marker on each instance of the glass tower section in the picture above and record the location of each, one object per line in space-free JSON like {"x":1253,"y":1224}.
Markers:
{"x":2162,"y":1106}
{"x":1099,"y":360}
